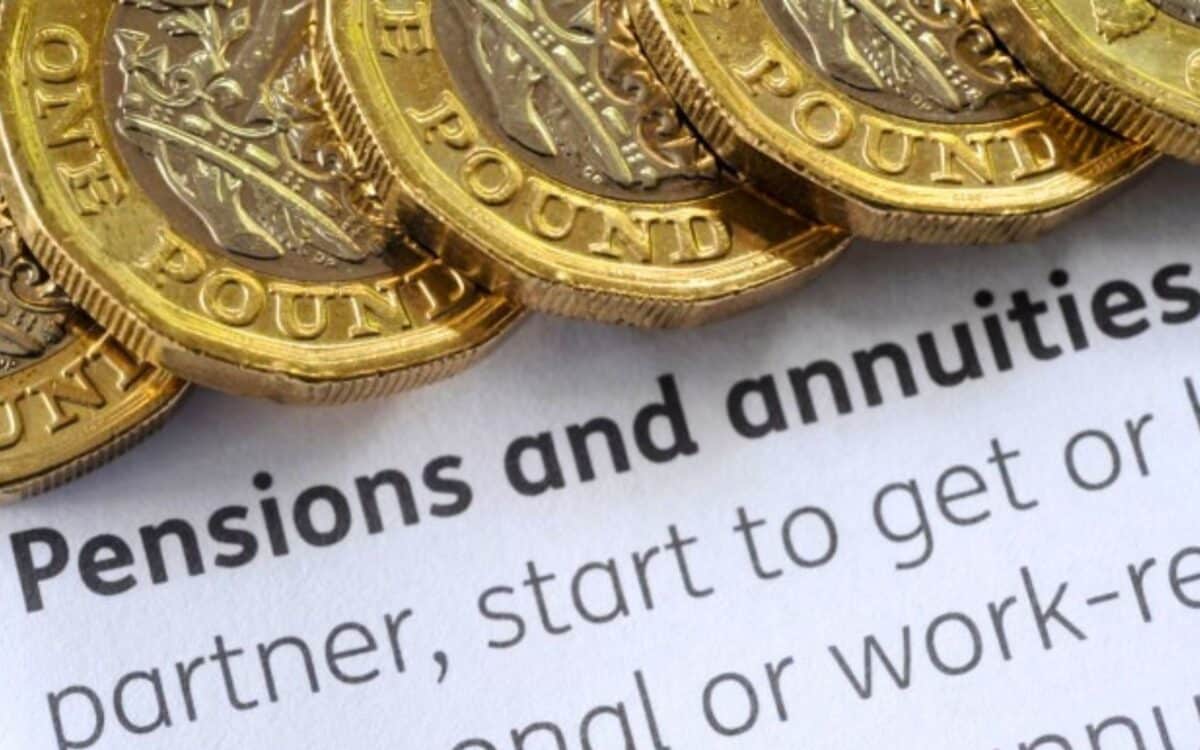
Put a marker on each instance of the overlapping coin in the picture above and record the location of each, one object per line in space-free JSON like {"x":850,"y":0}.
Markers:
{"x":531,"y":142}
{"x":1132,"y":65}
{"x":71,"y":397}
{"x":173,"y":166}
{"x":326,"y":200}
{"x":900,"y":119}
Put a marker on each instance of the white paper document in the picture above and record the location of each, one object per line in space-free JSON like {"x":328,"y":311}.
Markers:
{"x":939,"y":498}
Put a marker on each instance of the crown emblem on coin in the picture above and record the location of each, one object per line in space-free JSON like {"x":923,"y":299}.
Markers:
{"x":240,"y":136}
{"x":614,"y":118}
{"x":936,"y":54}
{"x":33,"y":309}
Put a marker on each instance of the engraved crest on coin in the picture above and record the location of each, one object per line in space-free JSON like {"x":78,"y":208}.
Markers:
{"x":33,"y":309}
{"x":921,"y":58}
{"x":236,"y":130}
{"x":568,"y":82}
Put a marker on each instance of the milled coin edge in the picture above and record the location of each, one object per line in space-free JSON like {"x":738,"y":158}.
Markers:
{"x":142,"y":340}
{"x":827,"y":199}
{"x":569,"y":297}
{"x":121,"y":443}
{"x":1085,"y":91}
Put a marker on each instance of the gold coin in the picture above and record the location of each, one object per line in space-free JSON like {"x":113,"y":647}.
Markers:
{"x":176,"y":172}
{"x":531,"y":141}
{"x":1131,"y":65}
{"x":901,"y":120}
{"x":71,"y":398}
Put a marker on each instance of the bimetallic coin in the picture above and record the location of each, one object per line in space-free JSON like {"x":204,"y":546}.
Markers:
{"x":71,"y":398}
{"x":900,"y":119}
{"x":1131,"y":65}
{"x":177,"y":169}
{"x":531,"y":141}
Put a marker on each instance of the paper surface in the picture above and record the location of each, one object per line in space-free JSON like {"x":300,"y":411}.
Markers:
{"x":1010,"y":555}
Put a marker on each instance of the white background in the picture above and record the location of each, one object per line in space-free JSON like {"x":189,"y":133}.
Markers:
{"x":552,"y":373}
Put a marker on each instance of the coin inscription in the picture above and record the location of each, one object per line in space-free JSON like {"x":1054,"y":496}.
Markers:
{"x":182,"y":177}
{"x":900,"y":119}
{"x":926,"y":59}
{"x":218,"y":100}
{"x":568,"y":83}
{"x":71,"y":397}
{"x":530,"y":142}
